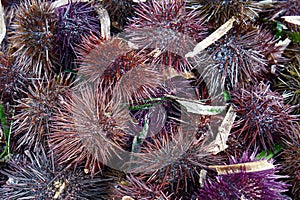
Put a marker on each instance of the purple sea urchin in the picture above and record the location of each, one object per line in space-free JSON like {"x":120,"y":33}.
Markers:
{"x":243,"y":57}
{"x":263,"y":119}
{"x":176,"y":158}
{"x":32,"y":38}
{"x":35,"y":176}
{"x":242,"y":184}
{"x":217,"y":12}
{"x":74,"y":21}
{"x":119,"y":11}
{"x":167,"y":29}
{"x":11,"y":79}
{"x":288,"y":84}
{"x":289,"y":160}
{"x":141,"y":188}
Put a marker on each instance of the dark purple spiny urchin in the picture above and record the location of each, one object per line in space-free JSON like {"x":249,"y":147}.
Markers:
{"x":217,"y":12}
{"x":240,"y":182}
{"x":242,"y":57}
{"x":33,"y":112}
{"x":143,"y":188}
{"x":289,"y":160}
{"x":168,"y":28}
{"x":119,"y":11}
{"x":11,"y":80}
{"x":263,"y":118}
{"x":35,"y":176}
{"x":288,"y":84}
{"x":174,"y":159}
{"x":32,"y":37}
{"x":74,"y":21}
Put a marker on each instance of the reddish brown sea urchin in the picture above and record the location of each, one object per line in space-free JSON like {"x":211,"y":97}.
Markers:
{"x":31,"y":36}
{"x":87,"y":130}
{"x":31,"y":123}
{"x":117,"y":69}
{"x":96,"y":54}
{"x":164,"y":19}
{"x":168,"y":28}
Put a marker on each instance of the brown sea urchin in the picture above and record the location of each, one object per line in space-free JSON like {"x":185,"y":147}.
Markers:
{"x":32,"y":36}
{"x":87,"y":130}
{"x":33,"y":112}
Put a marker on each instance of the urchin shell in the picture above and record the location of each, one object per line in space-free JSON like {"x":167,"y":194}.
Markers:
{"x":262,"y":184}
{"x":32,"y":37}
{"x":74,"y":21}
{"x":35,"y":176}
{"x":263,"y":118}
